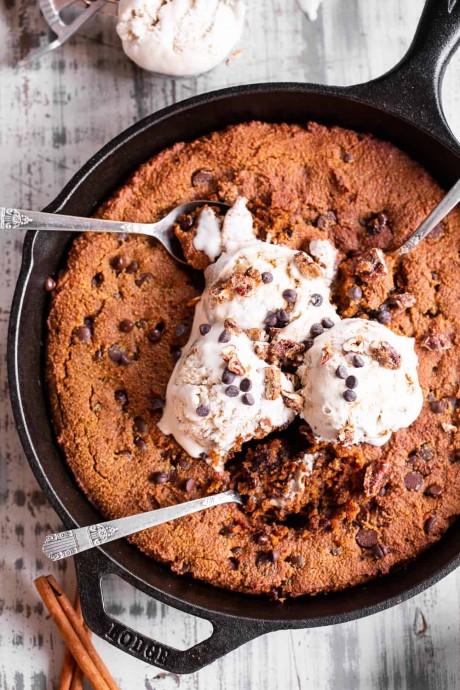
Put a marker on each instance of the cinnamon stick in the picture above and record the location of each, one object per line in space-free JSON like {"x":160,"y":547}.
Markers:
{"x":72,"y":677}
{"x":77,"y":639}
{"x":68,"y":670}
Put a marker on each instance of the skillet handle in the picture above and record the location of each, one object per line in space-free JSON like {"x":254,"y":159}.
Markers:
{"x":412,"y":89}
{"x":228,"y":632}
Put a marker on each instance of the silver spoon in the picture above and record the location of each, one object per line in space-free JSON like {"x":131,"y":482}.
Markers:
{"x":12,"y":218}
{"x":65,"y":544}
{"x":162,"y":230}
{"x":436,"y":216}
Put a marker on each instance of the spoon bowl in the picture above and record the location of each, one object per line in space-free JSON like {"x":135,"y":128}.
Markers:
{"x":162,"y":230}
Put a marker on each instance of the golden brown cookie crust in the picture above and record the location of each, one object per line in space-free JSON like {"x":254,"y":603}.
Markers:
{"x":108,"y":374}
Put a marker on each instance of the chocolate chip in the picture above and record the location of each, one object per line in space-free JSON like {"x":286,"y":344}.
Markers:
{"x":413,"y":481}
{"x":358,"y":361}
{"x":176,"y":353}
{"x":232,"y":391}
{"x":126,"y":326}
{"x":434,"y":490}
{"x":376,"y":223}
{"x":351,"y":382}
{"x":184,"y":464}
{"x":383,"y":317}
{"x":118,"y":263}
{"x":326,"y":219}
{"x":97,"y":356}
{"x":185,"y":222}
{"x":159,"y":477}
{"x":121,"y":397}
{"x":248,"y":399}
{"x":140,"y":443}
{"x":143,"y":278}
{"x":83,"y":334}
{"x":132,"y":267}
{"x":316,"y":329}
{"x":282,"y":316}
{"x":49,"y":284}
{"x":290,"y":296}
{"x":308,"y":343}
{"x":237,"y":550}
{"x":271,"y":320}
{"x":349,"y":396}
{"x":200,"y":177}
{"x":154,"y":335}
{"x":316,"y":300}
{"x":341,"y":372}
{"x":228,"y":376}
{"x":327,"y":323}
{"x":296,"y":560}
{"x":190,"y":485}
{"x":263,"y":539}
{"x":202,"y":411}
{"x":267,"y":277}
{"x":114,"y":353}
{"x":347,"y":157}
{"x":267,"y":557}
{"x":180,"y":330}
{"x":157,"y":404}
{"x":124,"y":359}
{"x":245,"y":385}
{"x":430,"y":524}
{"x":205,"y":328}
{"x":455,"y":457}
{"x":355,"y":293}
{"x":367,"y":538}
{"x":97,"y":280}
{"x":234,"y":563}
{"x":380,"y":551}
{"x":225,"y":336}
{"x":437,"y":406}
{"x":141,"y":425}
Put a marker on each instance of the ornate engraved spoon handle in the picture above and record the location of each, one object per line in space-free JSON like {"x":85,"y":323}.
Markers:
{"x":64,"y":544}
{"x":13,"y":218}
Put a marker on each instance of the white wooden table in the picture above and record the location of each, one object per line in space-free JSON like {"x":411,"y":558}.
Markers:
{"x":53,"y":116}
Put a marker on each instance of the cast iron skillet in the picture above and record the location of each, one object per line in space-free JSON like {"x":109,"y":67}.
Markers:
{"x":403,"y":106}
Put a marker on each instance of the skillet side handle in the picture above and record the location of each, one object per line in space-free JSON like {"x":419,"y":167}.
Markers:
{"x":412,"y":89}
{"x":228,"y":633}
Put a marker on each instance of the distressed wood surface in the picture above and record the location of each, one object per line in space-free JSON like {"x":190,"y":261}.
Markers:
{"x":53,"y":116}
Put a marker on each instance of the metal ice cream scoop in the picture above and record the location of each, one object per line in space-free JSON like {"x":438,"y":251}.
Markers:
{"x":162,"y":230}
{"x":70,"y":542}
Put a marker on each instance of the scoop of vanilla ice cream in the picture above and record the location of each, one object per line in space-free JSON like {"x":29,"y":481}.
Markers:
{"x":252,"y":280}
{"x":200,"y":413}
{"x":179,"y":37}
{"x":375,"y":391}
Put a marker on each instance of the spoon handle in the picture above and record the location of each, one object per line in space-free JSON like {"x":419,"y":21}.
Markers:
{"x":15,"y":218}
{"x":436,"y":216}
{"x":64,"y":544}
